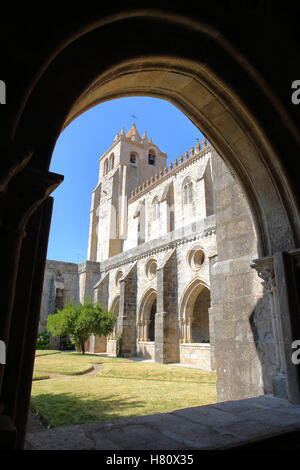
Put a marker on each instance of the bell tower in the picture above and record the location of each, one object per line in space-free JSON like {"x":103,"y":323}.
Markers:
{"x":129,"y":161}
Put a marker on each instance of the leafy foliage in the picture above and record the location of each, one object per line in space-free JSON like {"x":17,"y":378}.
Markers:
{"x":80,"y":321}
{"x":43,"y":341}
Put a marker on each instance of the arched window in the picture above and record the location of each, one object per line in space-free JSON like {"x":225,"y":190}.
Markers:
{"x":155,"y":208}
{"x":111,"y":161}
{"x":133,"y":158}
{"x":105,"y":167}
{"x":151,"y":157}
{"x":187,"y":191}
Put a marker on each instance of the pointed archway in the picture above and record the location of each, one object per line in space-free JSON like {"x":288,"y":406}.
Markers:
{"x":146,"y":324}
{"x":194,"y":325}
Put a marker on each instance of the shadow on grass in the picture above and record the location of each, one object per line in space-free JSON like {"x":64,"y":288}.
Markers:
{"x":66,"y":409}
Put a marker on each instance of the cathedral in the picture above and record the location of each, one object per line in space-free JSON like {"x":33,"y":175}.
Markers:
{"x":151,"y":236}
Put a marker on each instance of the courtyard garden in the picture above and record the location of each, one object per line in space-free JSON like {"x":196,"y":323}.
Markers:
{"x":71,"y":388}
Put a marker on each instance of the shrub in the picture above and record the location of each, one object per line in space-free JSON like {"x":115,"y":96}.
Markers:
{"x":43,"y":341}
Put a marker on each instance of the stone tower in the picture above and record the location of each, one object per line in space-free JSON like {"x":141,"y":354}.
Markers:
{"x":130,"y":160}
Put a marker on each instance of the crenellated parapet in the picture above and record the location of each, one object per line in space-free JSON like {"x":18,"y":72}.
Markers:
{"x":178,"y":164}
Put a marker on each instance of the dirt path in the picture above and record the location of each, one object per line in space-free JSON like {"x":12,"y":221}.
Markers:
{"x":94,"y":371}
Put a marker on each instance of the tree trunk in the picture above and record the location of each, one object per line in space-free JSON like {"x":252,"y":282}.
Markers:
{"x":82,"y":346}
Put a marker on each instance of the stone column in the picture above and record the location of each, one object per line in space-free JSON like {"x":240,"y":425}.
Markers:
{"x":146,"y":330}
{"x":166,"y":318}
{"x":88,"y":275}
{"x":140,"y":330}
{"x":185,"y":327}
{"x":24,"y":236}
{"x":126,"y":325}
{"x":265,"y":269}
{"x":281,"y":276}
{"x":101,"y":295}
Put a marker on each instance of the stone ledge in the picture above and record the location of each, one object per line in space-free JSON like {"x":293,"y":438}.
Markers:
{"x":218,"y":426}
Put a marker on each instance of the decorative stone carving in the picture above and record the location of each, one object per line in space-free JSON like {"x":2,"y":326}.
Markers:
{"x":265,"y":270}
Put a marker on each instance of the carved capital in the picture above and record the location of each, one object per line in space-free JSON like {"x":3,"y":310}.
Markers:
{"x":265,"y":270}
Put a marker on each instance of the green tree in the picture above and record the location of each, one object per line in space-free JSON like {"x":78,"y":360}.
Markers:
{"x":80,"y":321}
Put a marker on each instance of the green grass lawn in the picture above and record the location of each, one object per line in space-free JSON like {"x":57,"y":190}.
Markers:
{"x":122,"y":388}
{"x":46,"y":352}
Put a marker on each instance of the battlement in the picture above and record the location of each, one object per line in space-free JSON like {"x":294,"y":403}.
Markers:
{"x":194,"y":153}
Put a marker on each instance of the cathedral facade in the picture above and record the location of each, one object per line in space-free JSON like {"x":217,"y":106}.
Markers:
{"x":152,"y":239}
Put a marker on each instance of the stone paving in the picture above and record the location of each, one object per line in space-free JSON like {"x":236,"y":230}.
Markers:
{"x":218,"y":426}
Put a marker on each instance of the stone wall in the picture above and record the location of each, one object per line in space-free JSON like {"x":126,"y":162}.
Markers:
{"x":240,"y":328}
{"x":197,"y":354}
{"x":70,"y":291}
{"x":146,"y":349}
{"x":197,"y":169}
{"x":126,"y":325}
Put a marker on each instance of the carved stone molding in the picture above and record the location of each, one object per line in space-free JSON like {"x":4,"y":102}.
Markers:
{"x":265,"y":270}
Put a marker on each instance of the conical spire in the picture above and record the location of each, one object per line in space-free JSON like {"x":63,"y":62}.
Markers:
{"x":133,"y":134}
{"x":122,"y":131}
{"x":116,"y":137}
{"x":144,"y":138}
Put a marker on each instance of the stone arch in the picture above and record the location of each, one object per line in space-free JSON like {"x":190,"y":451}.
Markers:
{"x":194,"y":88}
{"x":133,"y":158}
{"x":233,"y":105}
{"x":115,"y":308}
{"x":111,"y":161}
{"x":146,"y":315}
{"x":187,"y":190}
{"x":151,"y":156}
{"x":190,"y":296}
{"x":155,"y":212}
{"x":170,"y":208}
{"x":105,"y":167}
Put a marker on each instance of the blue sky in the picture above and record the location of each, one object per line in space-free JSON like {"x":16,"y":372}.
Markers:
{"x":76,"y":156}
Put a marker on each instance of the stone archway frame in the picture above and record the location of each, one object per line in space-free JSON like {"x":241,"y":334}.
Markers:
{"x":46,"y":100}
{"x":112,"y":309}
{"x":144,"y":310}
{"x":216,"y":111}
{"x":114,"y":303}
{"x":186,"y":305}
{"x":190,"y":78}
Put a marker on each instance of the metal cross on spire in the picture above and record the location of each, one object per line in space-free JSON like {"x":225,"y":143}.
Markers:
{"x":134,"y":117}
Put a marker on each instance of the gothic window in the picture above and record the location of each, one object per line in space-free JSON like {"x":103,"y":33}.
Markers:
{"x":133,"y":158}
{"x":111,"y":161}
{"x":187,"y":191}
{"x":105,"y":167}
{"x":151,"y":157}
{"x":155,"y":208}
